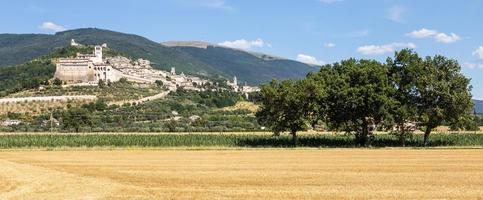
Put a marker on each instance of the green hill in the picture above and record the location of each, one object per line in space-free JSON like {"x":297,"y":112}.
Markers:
{"x":478,"y":106}
{"x":247,"y":66}
{"x":213,"y":62}
{"x":38,"y":71}
{"x":20,"y":48}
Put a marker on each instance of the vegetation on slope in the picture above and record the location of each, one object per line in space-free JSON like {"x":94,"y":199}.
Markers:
{"x":181,"y":111}
{"x":116,"y":91}
{"x":26,"y":76}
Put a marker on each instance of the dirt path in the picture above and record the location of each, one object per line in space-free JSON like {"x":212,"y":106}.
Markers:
{"x":242,"y":174}
{"x":47,"y":98}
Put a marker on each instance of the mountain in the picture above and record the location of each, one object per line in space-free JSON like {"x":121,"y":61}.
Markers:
{"x":247,"y":66}
{"x":19,"y":48}
{"x":212,"y":61}
{"x":478,"y":106}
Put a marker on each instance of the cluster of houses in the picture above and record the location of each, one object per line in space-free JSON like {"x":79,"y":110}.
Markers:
{"x":91,"y":68}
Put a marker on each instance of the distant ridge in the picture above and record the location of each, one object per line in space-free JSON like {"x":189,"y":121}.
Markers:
{"x":255,"y":67}
{"x":478,"y":106}
{"x":191,"y":57}
{"x":197,"y":44}
{"x":205,"y":45}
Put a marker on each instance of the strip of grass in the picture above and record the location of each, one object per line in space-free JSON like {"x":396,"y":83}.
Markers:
{"x":215,"y":140}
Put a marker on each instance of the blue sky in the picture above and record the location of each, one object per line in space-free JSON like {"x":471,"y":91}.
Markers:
{"x":315,"y":31}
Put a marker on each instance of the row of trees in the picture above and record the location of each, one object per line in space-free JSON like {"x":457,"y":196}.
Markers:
{"x":357,"y":96}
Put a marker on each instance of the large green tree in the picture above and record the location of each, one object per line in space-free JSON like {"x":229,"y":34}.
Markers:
{"x":402,"y":75}
{"x":442,"y":92}
{"x":284,"y":107}
{"x":314,"y":94}
{"x":359,"y":96}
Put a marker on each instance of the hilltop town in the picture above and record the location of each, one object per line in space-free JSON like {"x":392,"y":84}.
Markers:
{"x":109,"y":77}
{"x":89,"y":69}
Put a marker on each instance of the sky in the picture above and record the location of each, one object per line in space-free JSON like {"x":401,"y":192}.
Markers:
{"x":311,"y":31}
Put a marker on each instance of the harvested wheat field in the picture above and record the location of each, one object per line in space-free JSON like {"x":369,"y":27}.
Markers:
{"x":242,"y":174}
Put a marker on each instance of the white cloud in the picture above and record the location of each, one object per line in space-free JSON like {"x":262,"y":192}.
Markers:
{"x":309,"y":60}
{"x":211,"y":4}
{"x":330,"y":1}
{"x":383,"y":49}
{"x":443,"y":38}
{"x":50,"y":26}
{"x":422,"y":33}
{"x":478,"y":53}
{"x":244,"y":44}
{"x":329,"y":45}
{"x":430,"y":33}
{"x":216,"y":4}
{"x":395,"y":13}
{"x":471,"y":65}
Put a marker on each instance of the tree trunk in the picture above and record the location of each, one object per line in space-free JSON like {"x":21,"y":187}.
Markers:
{"x":363,"y":135}
{"x":294,"y":138}
{"x":402,"y":136}
{"x":402,"y":140}
{"x":426,"y":136}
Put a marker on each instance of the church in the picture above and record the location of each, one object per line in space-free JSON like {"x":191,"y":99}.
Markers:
{"x":86,"y":68}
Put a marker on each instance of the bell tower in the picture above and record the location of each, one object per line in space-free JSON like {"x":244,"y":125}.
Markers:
{"x":98,"y":53}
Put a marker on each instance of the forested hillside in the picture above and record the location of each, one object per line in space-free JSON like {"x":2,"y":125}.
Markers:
{"x":247,"y":66}
{"x":33,"y":73}
{"x":215,"y":62}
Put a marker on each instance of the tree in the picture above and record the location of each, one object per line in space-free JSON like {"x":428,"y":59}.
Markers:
{"x":284,"y":107}
{"x":358,"y":96}
{"x":99,"y":105}
{"x":76,"y":118}
{"x":315,"y":96}
{"x":57,"y":82}
{"x":158,"y":83}
{"x":123,"y":80}
{"x":467,"y":123}
{"x":442,"y":93}
{"x":172,"y":124}
{"x":403,"y":75}
{"x":101,"y":83}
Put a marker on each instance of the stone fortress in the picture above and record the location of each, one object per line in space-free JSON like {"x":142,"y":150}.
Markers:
{"x":89,"y":69}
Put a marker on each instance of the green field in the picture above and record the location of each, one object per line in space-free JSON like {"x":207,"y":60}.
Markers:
{"x":255,"y":140}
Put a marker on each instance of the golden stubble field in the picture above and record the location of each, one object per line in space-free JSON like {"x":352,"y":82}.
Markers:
{"x":243,"y":174}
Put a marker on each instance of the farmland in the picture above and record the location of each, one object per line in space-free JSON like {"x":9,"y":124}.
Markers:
{"x":223,"y":140}
{"x":243,"y":174}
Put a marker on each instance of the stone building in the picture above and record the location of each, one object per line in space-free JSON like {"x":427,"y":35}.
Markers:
{"x":234,"y":84}
{"x":86,"y":68}
{"x":90,"y":68}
